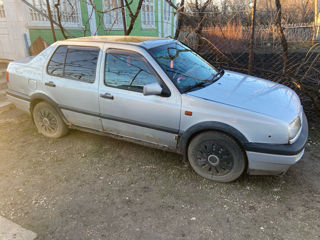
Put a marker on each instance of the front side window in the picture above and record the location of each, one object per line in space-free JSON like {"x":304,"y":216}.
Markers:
{"x":186,"y":69}
{"x":113,"y":14}
{"x":128,"y":70}
{"x":76,"y":63}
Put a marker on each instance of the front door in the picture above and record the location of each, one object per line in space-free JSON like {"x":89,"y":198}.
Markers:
{"x":126,"y":111}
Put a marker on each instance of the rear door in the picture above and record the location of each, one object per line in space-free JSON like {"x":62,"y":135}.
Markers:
{"x":126,"y":111}
{"x":71,"y":80}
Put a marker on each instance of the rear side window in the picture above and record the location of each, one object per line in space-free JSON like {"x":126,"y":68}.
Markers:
{"x":81,"y":64}
{"x":76,"y":63}
{"x":56,"y":63}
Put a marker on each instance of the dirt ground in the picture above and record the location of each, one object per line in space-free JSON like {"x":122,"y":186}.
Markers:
{"x":86,"y":186}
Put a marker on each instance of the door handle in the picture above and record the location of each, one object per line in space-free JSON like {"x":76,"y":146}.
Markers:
{"x":106,"y":95}
{"x":50,"y":84}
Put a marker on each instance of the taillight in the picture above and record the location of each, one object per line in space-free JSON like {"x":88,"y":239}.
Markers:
{"x":7,"y":77}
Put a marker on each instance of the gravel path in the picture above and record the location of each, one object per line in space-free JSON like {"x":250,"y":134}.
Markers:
{"x":86,"y":186}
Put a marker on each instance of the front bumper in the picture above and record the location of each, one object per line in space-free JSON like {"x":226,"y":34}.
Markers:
{"x":267,"y":159}
{"x":270,"y":164}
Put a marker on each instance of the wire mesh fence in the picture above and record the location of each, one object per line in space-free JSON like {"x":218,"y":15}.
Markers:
{"x":273,"y":39}
{"x":226,"y":44}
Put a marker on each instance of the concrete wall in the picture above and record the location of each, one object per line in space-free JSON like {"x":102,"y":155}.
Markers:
{"x":12,"y":28}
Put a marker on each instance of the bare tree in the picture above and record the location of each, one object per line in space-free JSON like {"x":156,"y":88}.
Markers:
{"x":200,"y":18}
{"x":282,"y":36}
{"x":50,"y":20}
{"x":124,"y":22}
{"x":293,"y":11}
{"x":133,"y":15}
{"x":57,"y":6}
{"x":253,"y":22}
{"x":48,"y":15}
{"x":180,"y":12}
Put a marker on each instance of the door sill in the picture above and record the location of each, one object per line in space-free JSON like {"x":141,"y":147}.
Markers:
{"x":126,"y":138}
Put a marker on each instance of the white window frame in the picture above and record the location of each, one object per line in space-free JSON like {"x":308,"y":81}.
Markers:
{"x":36,"y":20}
{"x":112,"y":14}
{"x":148,"y":18}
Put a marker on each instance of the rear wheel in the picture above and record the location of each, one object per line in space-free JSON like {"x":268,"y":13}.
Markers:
{"x":216,"y":156}
{"x":48,"y":121}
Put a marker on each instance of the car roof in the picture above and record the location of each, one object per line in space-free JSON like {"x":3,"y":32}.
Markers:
{"x":146,"y":42}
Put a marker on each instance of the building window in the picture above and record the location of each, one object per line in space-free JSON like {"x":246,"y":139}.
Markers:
{"x":148,"y":14}
{"x":112,"y":15}
{"x":70,"y":13}
{"x":2,"y":12}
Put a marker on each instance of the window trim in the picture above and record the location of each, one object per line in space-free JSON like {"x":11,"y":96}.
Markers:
{"x":111,"y":27}
{"x":47,"y":66}
{"x":64,"y":63}
{"x":159,"y":79}
{"x":149,"y":26}
{"x":46,"y":24}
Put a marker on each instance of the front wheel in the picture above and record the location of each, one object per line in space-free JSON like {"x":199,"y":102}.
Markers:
{"x":48,"y":121}
{"x":216,"y":156}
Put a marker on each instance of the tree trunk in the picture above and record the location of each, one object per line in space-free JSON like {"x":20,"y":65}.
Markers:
{"x":57,"y":6}
{"x":253,"y":23}
{"x":282,"y":36}
{"x":316,"y":20}
{"x":201,"y":18}
{"x":50,"y":20}
{"x":180,"y":13}
{"x":44,"y":15}
{"x":133,"y":17}
{"x":123,"y":19}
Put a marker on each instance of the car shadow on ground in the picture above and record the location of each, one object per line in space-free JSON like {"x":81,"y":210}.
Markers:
{"x":172,"y":164}
{"x":86,"y":186}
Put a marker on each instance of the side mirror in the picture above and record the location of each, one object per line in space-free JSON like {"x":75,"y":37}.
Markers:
{"x":173,"y":53}
{"x":152,"y":89}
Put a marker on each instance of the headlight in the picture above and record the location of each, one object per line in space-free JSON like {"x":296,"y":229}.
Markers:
{"x":294,"y":128}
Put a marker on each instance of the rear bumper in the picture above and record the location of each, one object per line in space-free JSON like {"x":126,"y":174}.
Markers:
{"x":267,"y":159}
{"x":22,"y":103}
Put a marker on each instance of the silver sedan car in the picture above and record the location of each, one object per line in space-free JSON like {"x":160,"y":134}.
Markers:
{"x":158,"y":92}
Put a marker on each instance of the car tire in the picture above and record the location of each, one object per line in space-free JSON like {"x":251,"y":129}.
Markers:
{"x":48,"y":121}
{"x":216,"y":156}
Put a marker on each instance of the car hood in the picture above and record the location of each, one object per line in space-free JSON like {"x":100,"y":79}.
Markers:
{"x":253,"y":94}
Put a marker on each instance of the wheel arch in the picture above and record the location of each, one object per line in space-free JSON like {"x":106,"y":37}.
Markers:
{"x":40,"y":97}
{"x":190,"y":133}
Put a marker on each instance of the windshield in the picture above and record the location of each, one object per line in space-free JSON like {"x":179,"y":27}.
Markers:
{"x":186,"y":69}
